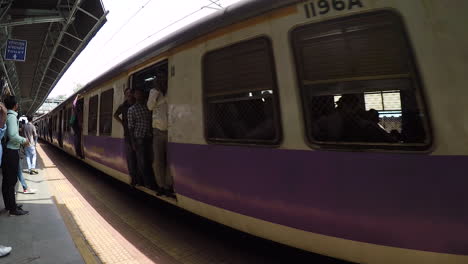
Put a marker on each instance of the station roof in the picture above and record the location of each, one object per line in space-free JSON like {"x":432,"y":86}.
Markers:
{"x":56,"y":32}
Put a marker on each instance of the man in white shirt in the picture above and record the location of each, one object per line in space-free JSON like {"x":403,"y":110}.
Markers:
{"x":157,"y":103}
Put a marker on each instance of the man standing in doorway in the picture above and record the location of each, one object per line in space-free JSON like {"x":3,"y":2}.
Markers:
{"x":157,"y":103}
{"x":29,"y":131}
{"x":139,"y":126}
{"x":10,"y":163}
{"x":129,"y":152}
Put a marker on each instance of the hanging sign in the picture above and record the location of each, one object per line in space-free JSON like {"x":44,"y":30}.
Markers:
{"x":16,"y":50}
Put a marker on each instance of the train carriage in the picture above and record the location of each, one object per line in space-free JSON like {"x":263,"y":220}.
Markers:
{"x":270,"y":127}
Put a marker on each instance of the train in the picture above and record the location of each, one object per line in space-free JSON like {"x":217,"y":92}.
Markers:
{"x":267,"y":134}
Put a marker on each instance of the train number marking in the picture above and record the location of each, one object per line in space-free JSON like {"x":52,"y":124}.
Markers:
{"x":321,"y":7}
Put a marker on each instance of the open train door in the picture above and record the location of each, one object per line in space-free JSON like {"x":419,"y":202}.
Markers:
{"x":51,"y":125}
{"x":60,"y":129}
{"x":77,"y":127}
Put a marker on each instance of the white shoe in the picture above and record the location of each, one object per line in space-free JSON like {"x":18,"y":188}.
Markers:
{"x":30,"y":191}
{"x":4,"y":250}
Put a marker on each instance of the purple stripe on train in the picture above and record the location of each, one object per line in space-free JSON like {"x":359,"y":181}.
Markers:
{"x":69,"y":142}
{"x":401,"y":200}
{"x":107,"y":151}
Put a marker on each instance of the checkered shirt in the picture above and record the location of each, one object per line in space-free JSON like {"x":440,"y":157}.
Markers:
{"x":139,"y":120}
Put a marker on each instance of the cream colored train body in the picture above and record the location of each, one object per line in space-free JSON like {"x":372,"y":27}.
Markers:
{"x":286,"y":64}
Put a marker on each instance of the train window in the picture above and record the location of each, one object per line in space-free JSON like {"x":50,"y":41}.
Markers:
{"x":68,"y":118}
{"x":105,"y":113}
{"x":65,"y":120}
{"x":359,"y":84}
{"x":92,"y":115}
{"x":240,"y":94}
{"x":69,"y":115}
{"x":60,"y":121}
{"x":143,"y":80}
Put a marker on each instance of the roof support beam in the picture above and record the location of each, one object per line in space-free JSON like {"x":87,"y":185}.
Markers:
{"x":67,"y":48}
{"x":54,"y":49}
{"x":65,"y":26}
{"x":33,"y":20}
{"x":7,"y":75}
{"x":73,"y":36}
{"x":5,"y":10}
{"x":53,"y":79}
{"x":35,"y":12}
{"x":88,"y":13}
{"x":52,"y":70}
{"x":59,"y":60}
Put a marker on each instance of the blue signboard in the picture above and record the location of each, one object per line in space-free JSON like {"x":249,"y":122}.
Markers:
{"x":16,"y":50}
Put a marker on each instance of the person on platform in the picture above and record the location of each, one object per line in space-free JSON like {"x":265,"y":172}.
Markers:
{"x":22,"y":154}
{"x":129,"y":152}
{"x":29,"y":131}
{"x":10,"y":158}
{"x":3,"y":113}
{"x":26,"y":189}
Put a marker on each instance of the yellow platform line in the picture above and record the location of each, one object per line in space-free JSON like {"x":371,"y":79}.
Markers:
{"x":96,"y":240}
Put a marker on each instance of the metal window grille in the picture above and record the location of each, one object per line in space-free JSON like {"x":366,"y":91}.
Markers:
{"x":358,"y":84}
{"x":240,"y":94}
{"x":105,"y":113}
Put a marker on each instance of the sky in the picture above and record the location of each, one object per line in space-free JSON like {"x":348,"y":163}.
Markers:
{"x":131,"y":26}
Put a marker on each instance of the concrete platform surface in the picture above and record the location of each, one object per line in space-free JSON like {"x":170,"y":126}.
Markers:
{"x":40,"y":237}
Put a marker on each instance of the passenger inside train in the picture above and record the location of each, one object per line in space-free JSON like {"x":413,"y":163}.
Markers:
{"x":349,"y":122}
{"x":247,"y":116}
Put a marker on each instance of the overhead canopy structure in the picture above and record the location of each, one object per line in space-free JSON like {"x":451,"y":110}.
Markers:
{"x":56,"y":32}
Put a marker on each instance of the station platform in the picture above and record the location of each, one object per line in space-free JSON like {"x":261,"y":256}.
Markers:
{"x":63,"y":226}
{"x":41,"y":236}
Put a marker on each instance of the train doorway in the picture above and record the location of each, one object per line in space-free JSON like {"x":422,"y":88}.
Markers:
{"x":49,"y":129}
{"x":60,"y":129}
{"x":154,"y":81}
{"x":77,"y":127}
{"x":158,"y":102}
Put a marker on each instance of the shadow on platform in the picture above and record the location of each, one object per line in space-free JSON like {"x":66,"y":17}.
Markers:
{"x":143,"y":245}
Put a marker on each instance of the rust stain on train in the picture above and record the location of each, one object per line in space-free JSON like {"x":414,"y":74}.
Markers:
{"x":98,"y":150}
